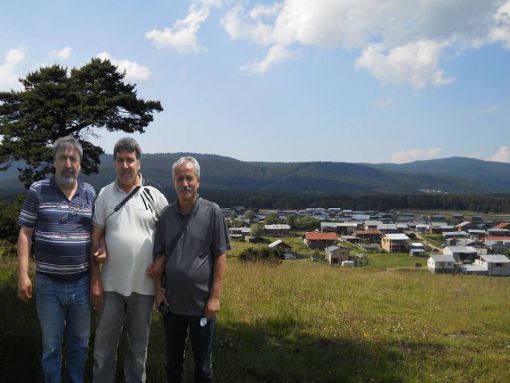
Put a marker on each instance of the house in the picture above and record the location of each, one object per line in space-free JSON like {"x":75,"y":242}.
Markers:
{"x":438,"y":227}
{"x":503,"y":225}
{"x":491,"y":240}
{"x":455,"y":234}
{"x":441,"y":263}
{"x":476,"y":233}
{"x":422,"y":227}
{"x":498,"y":232}
{"x":275,"y":230}
{"x":368,"y":235}
{"x":346,"y":228}
{"x":285,"y":248}
{"x":395,"y":243}
{"x":336,"y":254}
{"x":477,"y":219}
{"x":463,"y":242}
{"x":402,"y":227}
{"x":463,"y":254}
{"x":239,"y":232}
{"x":416,"y":249}
{"x":330,"y":227}
{"x":316,"y":240}
{"x":496,"y":264}
{"x":499,"y":248}
{"x":463,"y":226}
{"x":471,"y":268}
{"x":387,"y":228}
{"x":457,"y":217}
{"x":371,"y":224}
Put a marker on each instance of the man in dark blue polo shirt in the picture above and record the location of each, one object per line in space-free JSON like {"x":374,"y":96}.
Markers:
{"x":57,"y":213}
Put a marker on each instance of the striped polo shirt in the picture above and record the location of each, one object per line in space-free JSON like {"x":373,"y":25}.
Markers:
{"x":62,"y":228}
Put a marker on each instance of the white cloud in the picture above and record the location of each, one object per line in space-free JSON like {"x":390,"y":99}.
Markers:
{"x":182,"y":36}
{"x":503,"y":155}
{"x":415,"y":155}
{"x":134,"y":71}
{"x":401,"y":27}
{"x":275,"y":55}
{"x":382,"y":102}
{"x":501,"y":31}
{"x":415,"y":63}
{"x":8,"y":77}
{"x":491,"y":108}
{"x":62,"y":54}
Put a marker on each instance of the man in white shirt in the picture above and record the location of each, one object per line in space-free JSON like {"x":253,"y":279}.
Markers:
{"x":125,"y":217}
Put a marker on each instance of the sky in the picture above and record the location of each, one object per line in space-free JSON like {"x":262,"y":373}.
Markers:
{"x":292,"y":80}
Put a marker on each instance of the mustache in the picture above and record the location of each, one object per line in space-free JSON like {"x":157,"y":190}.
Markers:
{"x":69,"y":172}
{"x":185,"y":189}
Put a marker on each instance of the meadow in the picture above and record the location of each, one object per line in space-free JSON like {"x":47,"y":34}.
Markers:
{"x":303,"y":321}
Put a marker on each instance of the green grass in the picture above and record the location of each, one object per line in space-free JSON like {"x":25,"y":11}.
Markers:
{"x":310,"y":322}
{"x":434,"y":239}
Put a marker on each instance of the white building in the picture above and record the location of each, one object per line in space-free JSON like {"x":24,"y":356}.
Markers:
{"x":461,"y":253}
{"x":441,"y":263}
{"x":496,"y":264}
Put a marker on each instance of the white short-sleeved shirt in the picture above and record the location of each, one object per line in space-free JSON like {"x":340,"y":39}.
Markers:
{"x":129,"y":236}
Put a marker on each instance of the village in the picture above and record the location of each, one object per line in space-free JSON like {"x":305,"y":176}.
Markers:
{"x":451,"y":243}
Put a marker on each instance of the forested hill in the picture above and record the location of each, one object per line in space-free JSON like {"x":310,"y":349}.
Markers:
{"x":453,"y":175}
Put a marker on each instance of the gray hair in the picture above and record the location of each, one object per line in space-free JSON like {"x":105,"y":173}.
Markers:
{"x":127,"y":144}
{"x":67,"y":142}
{"x":183,"y":160}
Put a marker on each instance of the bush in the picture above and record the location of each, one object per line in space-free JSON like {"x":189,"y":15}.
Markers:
{"x":264,"y":254}
{"x":9,"y":228}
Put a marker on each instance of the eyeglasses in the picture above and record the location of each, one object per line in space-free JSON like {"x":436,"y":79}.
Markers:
{"x":74,"y":211}
{"x":68,"y":216}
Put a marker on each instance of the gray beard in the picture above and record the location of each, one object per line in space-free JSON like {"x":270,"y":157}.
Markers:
{"x":67,"y":181}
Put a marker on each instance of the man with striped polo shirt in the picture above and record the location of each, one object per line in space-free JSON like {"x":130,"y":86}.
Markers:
{"x":57,"y":213}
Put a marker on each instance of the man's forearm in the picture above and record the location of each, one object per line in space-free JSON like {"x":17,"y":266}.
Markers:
{"x":97,"y":241}
{"x":218,"y":275}
{"x":24,"y":244}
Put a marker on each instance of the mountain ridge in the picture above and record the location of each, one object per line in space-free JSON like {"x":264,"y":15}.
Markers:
{"x":458,"y":175}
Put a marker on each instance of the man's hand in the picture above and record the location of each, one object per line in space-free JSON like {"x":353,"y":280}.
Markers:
{"x":100,"y":255}
{"x":24,"y":288}
{"x":96,"y":292}
{"x":212,"y":307}
{"x":157,"y":268}
{"x":159,"y":297}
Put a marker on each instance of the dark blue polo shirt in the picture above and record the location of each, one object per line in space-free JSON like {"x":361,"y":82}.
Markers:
{"x":62,"y":228}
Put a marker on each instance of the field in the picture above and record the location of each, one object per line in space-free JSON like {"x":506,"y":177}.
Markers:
{"x":391,"y":321}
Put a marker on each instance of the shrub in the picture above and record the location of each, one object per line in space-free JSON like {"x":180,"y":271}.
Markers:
{"x":264,"y":254}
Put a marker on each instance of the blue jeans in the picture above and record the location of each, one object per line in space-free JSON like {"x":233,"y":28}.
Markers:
{"x":63,"y":306}
{"x":137,"y":311}
{"x":202,"y":337}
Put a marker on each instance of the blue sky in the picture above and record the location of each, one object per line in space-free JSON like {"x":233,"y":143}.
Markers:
{"x":290,"y":80}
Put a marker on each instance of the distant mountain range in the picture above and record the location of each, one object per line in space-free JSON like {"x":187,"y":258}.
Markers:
{"x":456,"y":175}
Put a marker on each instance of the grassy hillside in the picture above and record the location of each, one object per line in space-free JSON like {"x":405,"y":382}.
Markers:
{"x":310,"y":322}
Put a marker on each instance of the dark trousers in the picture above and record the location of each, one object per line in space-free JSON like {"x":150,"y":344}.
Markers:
{"x":176,"y":331}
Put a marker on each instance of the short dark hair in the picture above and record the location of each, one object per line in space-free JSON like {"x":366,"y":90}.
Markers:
{"x":66,"y":142}
{"x":127,"y":144}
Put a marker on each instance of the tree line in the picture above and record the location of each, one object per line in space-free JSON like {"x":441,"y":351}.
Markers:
{"x":378,"y":202}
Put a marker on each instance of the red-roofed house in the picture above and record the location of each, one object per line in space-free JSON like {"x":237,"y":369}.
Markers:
{"x":316,"y":240}
{"x":372,"y":235}
{"x":491,"y":240}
